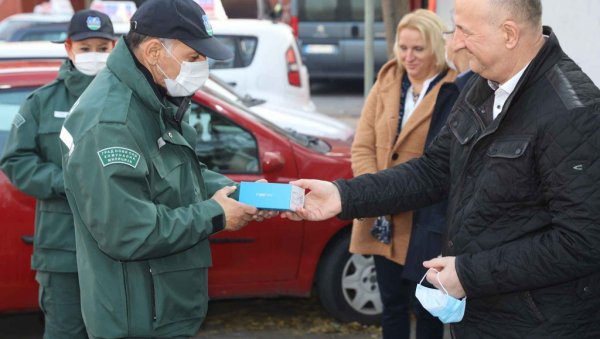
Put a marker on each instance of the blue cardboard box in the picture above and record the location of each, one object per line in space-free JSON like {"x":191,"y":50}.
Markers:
{"x":268,"y":196}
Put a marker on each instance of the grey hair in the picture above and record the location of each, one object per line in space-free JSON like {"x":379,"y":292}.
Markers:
{"x":134,"y":40}
{"x":168,"y":43}
{"x":525,"y":11}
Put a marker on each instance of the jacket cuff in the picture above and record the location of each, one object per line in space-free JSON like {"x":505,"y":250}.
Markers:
{"x":339,"y":184}
{"x":476,"y":280}
{"x":218,"y":221}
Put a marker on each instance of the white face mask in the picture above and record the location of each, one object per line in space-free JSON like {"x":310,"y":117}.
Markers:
{"x":191,"y":77}
{"x":90,"y":63}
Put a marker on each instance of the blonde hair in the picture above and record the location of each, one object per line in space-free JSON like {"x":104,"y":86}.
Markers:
{"x":431,"y":28}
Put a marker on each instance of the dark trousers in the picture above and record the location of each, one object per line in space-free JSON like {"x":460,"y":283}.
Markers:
{"x":398,"y":296}
{"x":59,"y":300}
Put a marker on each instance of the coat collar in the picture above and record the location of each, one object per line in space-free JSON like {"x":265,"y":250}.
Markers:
{"x":548,"y":56}
{"x":424,"y":110}
{"x":122,"y":63}
{"x":75,"y":81}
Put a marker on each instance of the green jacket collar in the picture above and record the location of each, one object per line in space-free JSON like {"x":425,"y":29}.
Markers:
{"x":75,"y":81}
{"x":122,"y":63}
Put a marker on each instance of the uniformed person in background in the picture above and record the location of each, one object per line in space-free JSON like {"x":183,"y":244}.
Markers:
{"x":32,"y":162}
{"x":143,"y":204}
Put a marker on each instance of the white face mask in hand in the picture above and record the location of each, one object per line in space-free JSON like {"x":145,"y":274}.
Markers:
{"x":90,"y":63}
{"x":440,"y":304}
{"x":191,"y":77}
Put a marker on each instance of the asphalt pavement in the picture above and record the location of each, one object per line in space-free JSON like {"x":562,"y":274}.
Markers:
{"x":342,"y":100}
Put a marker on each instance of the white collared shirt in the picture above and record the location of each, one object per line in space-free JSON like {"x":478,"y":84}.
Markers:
{"x":502,"y":92}
{"x":409,"y":104}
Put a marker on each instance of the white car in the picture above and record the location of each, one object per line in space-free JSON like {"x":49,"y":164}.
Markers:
{"x":267,"y":63}
{"x":34,"y":26}
{"x":53,"y":27}
{"x":280,"y":114}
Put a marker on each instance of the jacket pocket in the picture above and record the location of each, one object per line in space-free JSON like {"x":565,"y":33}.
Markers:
{"x":179,"y":295}
{"x":463,"y":128}
{"x":54,"y":226}
{"x":509,"y":148}
{"x":509,"y":171}
{"x":168,"y":165}
{"x":179,"y":285}
{"x":533,"y":307}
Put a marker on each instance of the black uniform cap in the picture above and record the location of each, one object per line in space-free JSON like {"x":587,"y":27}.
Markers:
{"x":183,"y":20}
{"x":88,"y":24}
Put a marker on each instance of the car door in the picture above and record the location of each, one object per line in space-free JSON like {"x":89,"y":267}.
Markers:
{"x":17,"y":284}
{"x":261,"y":253}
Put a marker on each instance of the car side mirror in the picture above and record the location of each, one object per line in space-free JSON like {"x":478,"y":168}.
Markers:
{"x":272,"y":161}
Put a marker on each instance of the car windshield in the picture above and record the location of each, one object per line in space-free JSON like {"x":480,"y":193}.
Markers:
{"x":10,"y":101}
{"x":233,"y":100}
{"x":9,"y":27}
{"x":25,"y":30}
{"x":217,"y":84}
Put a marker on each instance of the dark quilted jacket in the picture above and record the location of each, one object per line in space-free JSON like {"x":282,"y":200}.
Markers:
{"x":524,"y":202}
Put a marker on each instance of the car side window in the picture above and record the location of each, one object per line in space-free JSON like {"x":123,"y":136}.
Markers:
{"x":243,"y":48}
{"x":318,"y":10}
{"x":43,"y":36}
{"x":222,"y":145}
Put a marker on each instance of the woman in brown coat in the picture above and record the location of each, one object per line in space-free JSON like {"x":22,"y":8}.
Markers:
{"x":396,"y":123}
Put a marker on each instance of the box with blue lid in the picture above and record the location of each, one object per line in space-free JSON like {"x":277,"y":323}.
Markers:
{"x":270,"y":196}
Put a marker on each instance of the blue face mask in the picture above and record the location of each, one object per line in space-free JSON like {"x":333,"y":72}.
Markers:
{"x":440,"y":304}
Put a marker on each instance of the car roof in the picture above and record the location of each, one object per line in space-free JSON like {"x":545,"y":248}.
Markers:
{"x":39,"y":17}
{"x":249,"y":26}
{"x":31,"y":50}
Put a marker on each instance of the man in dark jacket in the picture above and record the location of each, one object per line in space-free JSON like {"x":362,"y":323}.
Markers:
{"x":518,"y":161}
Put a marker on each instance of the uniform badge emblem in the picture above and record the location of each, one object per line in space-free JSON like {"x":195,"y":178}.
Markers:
{"x":18,"y":120}
{"x":119,"y":155}
{"x":93,"y":23}
{"x":207,"y":25}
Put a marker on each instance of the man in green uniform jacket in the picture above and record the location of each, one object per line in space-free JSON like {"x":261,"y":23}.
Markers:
{"x":140,"y":198}
{"x":32,"y":161}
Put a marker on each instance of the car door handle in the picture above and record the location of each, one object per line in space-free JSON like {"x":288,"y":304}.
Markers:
{"x":28,"y":239}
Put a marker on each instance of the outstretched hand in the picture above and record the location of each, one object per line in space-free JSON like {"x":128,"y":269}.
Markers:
{"x":237,"y":215}
{"x":321,"y":203}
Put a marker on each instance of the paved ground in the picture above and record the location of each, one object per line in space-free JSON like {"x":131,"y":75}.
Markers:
{"x":277,"y":318}
{"x":251,"y":318}
{"x":341,"y":100}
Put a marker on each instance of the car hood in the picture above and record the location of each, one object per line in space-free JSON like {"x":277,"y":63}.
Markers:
{"x":339,"y":148}
{"x":309,"y":123}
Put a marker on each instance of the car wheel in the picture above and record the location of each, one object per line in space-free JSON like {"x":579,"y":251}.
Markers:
{"x":347,"y":284}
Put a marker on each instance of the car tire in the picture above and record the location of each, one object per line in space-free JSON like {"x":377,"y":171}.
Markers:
{"x":347,"y":284}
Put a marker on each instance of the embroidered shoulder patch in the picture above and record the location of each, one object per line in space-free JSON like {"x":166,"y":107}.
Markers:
{"x":119,"y":155}
{"x":18,"y":120}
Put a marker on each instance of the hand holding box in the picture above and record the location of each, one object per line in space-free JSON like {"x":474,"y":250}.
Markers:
{"x":268,"y":196}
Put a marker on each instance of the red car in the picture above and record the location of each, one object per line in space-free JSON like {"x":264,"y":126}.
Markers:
{"x":273,"y":258}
